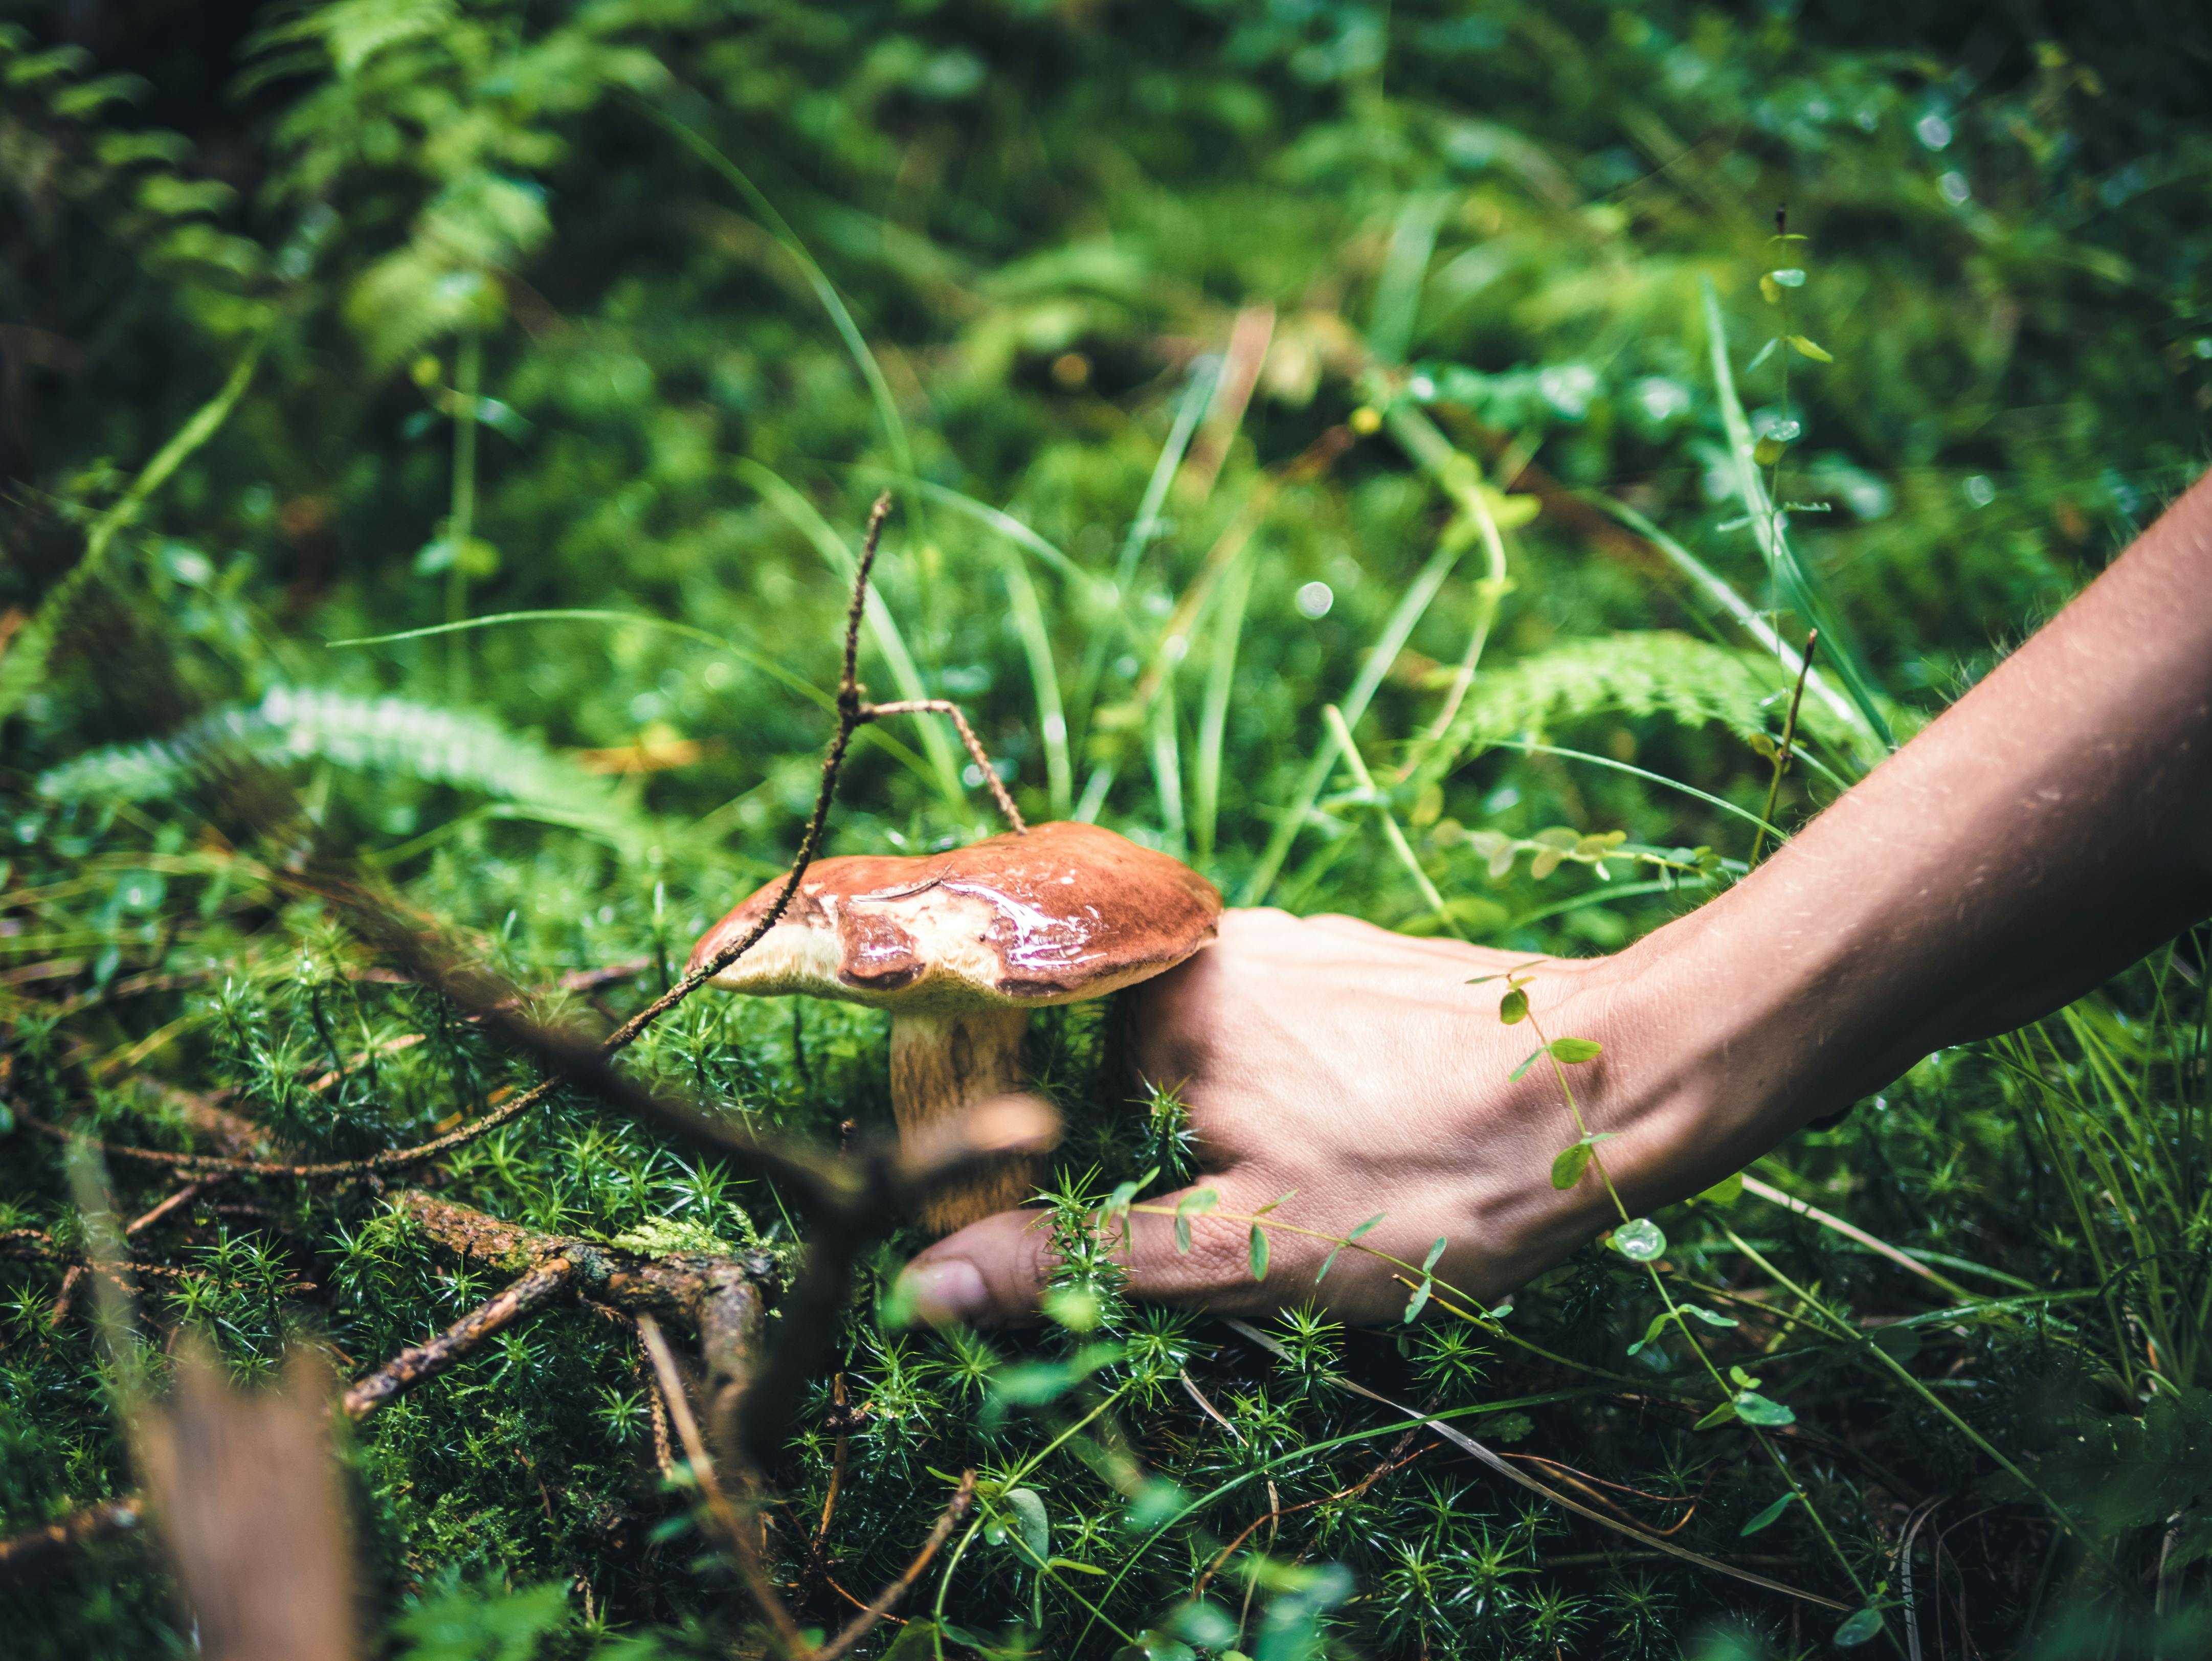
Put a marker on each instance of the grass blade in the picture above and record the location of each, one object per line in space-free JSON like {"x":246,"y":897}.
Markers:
{"x":1405,"y":273}
{"x":883,"y":629}
{"x":1380,"y":656}
{"x":824,"y":291}
{"x":1795,"y":584}
{"x":1717,"y":588}
{"x":24,"y":667}
{"x":1166,"y":750}
{"x":1213,"y":714}
{"x":1052,"y":719}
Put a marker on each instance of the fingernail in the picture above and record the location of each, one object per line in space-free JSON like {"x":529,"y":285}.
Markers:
{"x":950,"y":1289}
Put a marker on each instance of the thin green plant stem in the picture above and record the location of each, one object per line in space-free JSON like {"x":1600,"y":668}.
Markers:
{"x":1143,"y":530}
{"x":1530,"y":749}
{"x":1845,"y":1330}
{"x":1790,"y":575}
{"x":1213,"y":711}
{"x":952,"y":1561}
{"x":1493,"y":1328}
{"x":1380,"y":656}
{"x":993,"y":518}
{"x":1392,"y":832}
{"x":1052,"y":717}
{"x":1405,"y":274}
{"x":1595,"y":897}
{"x":1673,"y":1310}
{"x":1457,"y":475}
{"x":1503,"y":1468}
{"x":870,"y":733}
{"x":1262,"y":1471}
{"x":1782,"y":753}
{"x":1044,"y":1571}
{"x":2015,"y":1049}
{"x":23,"y":669}
{"x":825,"y":292}
{"x":1718,"y":589}
{"x":461,"y":522}
{"x":1165,"y":745}
{"x":883,"y":628}
{"x":1146,"y":528}
{"x":1094,"y":792}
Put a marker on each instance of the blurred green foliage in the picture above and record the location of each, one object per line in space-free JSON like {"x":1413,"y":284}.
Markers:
{"x":1204,"y":347}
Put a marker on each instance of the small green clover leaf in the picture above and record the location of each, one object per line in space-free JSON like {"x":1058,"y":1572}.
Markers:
{"x":1195,"y":1204}
{"x":1326,"y":1262}
{"x":1575,"y":1159}
{"x":1419,"y":1301}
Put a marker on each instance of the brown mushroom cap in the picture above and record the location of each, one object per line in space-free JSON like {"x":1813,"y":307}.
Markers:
{"x":1066,"y":912}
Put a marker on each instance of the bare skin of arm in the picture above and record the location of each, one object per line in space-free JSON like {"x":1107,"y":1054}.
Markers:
{"x":2049,"y":828}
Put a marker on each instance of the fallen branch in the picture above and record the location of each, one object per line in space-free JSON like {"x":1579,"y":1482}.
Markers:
{"x":411,"y":1367}
{"x":719,"y":1295}
{"x":886,"y":1600}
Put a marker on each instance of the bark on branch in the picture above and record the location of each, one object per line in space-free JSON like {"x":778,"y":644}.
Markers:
{"x":720,"y":1296}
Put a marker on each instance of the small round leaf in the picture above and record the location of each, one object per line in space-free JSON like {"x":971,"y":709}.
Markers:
{"x":1859,"y":1628}
{"x":1640,"y":1240}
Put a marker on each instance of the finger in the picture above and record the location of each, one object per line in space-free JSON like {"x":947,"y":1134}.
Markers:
{"x":989,"y":1274}
{"x":994,"y":1273}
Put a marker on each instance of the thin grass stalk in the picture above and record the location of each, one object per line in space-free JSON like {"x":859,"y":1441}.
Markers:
{"x":1410,"y":608}
{"x":460,"y":523}
{"x":1213,"y":713}
{"x":883,"y":628}
{"x":1796,"y":583}
{"x":825,"y":292}
{"x":1392,"y":832}
{"x":1163,"y":745}
{"x":1052,"y":717}
{"x":1143,"y":530}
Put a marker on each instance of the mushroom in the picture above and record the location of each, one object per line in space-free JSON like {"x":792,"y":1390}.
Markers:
{"x":960,"y":946}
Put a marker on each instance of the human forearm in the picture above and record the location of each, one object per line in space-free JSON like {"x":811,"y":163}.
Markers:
{"x":2047,"y":829}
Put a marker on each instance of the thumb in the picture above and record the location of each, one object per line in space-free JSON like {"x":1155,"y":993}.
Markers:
{"x":993,"y":1272}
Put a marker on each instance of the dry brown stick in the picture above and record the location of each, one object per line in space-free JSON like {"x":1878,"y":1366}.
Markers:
{"x":184,"y":1196}
{"x":837,"y":1472}
{"x":710,"y":1487}
{"x":38,"y":1246}
{"x":718,"y":1294}
{"x":1254,"y":1526}
{"x":410,"y":1367}
{"x":946,"y":707}
{"x":190,"y":1191}
{"x":884,"y":1601}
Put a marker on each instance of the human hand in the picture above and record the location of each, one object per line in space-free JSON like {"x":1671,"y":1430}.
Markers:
{"x":1358,"y":1070}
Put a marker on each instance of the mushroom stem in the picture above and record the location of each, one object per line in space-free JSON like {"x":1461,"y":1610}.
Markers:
{"x":943,"y":1063}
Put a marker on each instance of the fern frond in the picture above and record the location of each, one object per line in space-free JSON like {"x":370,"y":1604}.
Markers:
{"x":1656,"y":672}
{"x":377,"y":736}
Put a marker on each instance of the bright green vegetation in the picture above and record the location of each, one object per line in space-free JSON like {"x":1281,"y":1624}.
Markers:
{"x":600,"y":326}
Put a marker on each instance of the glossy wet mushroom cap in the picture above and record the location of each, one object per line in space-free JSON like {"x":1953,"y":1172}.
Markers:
{"x":1062,"y":912}
{"x":960,"y":946}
